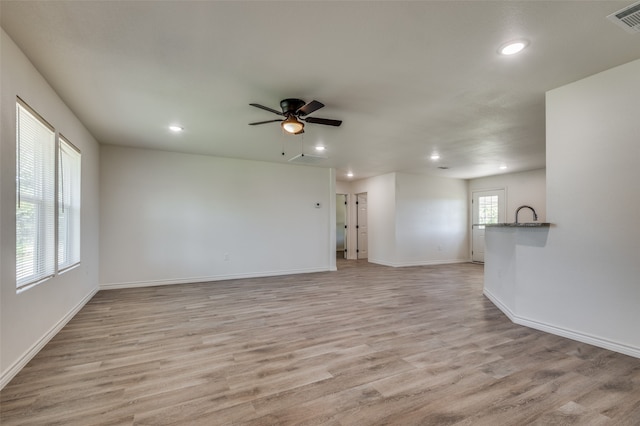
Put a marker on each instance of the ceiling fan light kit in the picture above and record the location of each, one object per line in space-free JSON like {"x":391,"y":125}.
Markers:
{"x":294,"y":111}
{"x":292,"y":125}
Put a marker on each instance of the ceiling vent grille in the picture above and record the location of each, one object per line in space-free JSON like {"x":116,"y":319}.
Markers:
{"x":306,"y":159}
{"x":628,"y":18}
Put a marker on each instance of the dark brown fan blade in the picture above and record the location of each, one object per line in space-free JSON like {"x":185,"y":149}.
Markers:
{"x":309,"y":108}
{"x":325,"y":121}
{"x":267,"y":109}
{"x":263,"y":122}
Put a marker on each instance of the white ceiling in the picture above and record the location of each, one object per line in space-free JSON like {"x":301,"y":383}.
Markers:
{"x":406,"y":78}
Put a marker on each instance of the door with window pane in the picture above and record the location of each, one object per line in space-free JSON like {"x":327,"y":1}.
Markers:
{"x":488,"y":207}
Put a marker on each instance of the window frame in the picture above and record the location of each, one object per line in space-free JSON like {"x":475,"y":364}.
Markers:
{"x":44,"y":237}
{"x":41,"y":239}
{"x":60,"y":197}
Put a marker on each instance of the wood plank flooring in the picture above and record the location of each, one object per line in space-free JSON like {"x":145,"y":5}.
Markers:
{"x":367,"y":345}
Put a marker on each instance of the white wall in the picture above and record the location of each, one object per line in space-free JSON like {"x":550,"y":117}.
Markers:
{"x":414,"y":219}
{"x":343,"y":187}
{"x":431,"y":220}
{"x":381,"y":218}
{"x":29,"y":319}
{"x":172,"y":218}
{"x":582,"y":280}
{"x":524,"y":188}
{"x":593,"y":198}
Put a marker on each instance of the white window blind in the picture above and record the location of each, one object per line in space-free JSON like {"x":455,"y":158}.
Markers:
{"x":68,"y":205}
{"x":35,"y":198}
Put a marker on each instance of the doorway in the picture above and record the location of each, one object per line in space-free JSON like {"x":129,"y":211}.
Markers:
{"x":362,"y":229}
{"x":341,"y":226}
{"x":488,"y":207}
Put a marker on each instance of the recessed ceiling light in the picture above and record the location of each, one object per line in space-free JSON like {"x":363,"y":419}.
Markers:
{"x":320,"y":148}
{"x":176,"y":128}
{"x":513,"y":47}
{"x":435,"y":157}
{"x":350,"y":174}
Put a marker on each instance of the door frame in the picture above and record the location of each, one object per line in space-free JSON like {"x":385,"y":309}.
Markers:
{"x":471,"y":211}
{"x":357,"y":226}
{"x":346,"y":223}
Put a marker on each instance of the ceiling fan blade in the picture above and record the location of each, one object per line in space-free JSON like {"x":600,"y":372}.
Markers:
{"x":309,"y":108}
{"x":325,"y":121}
{"x":267,"y":109}
{"x":263,"y":122}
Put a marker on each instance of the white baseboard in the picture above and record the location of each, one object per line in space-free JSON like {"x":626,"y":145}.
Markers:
{"x":504,"y":308}
{"x":379,"y":262}
{"x":152,"y":283}
{"x":417,"y":263}
{"x":19,"y":364}
{"x":563,"y":332}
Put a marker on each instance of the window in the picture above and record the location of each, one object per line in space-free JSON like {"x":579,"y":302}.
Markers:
{"x":68,"y":205}
{"x":35,"y":198}
{"x":487,"y":210}
{"x":46,"y":212}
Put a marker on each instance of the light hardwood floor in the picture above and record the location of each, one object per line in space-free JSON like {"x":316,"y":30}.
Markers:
{"x":366,"y":345}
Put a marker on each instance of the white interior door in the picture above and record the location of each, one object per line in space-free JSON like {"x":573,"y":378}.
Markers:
{"x":362,"y":228}
{"x":488,"y":207}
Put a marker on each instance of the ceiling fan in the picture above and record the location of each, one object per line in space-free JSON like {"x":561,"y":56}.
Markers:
{"x":295,"y":113}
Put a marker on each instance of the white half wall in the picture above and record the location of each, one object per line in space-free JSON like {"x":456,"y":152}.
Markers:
{"x":30,"y":319}
{"x":524,"y":188}
{"x":171,"y":218}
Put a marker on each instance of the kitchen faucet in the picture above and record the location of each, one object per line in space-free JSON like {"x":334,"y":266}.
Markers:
{"x":535,"y":215}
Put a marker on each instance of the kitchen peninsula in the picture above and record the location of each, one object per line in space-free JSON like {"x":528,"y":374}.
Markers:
{"x":508,"y":252}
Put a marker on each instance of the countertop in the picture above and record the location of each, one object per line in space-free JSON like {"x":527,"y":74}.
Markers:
{"x":519,"y":225}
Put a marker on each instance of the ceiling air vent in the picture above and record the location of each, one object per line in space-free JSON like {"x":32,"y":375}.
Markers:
{"x":306,"y":159}
{"x":628,"y":18}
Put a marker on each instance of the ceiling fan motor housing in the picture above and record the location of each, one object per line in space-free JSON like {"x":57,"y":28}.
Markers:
{"x":290,"y":106}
